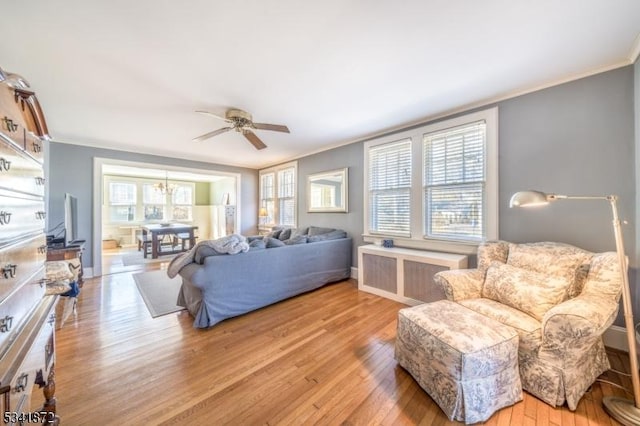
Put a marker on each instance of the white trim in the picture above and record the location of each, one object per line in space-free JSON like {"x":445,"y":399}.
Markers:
{"x":87,"y":273}
{"x":468,"y":248}
{"x":400,"y":255}
{"x":354,"y":273}
{"x":98,"y":196}
{"x":417,"y":231}
{"x":616,"y":337}
{"x":635,"y":50}
{"x":275,"y":170}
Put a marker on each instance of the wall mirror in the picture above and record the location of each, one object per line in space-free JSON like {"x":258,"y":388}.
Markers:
{"x":327,"y":191}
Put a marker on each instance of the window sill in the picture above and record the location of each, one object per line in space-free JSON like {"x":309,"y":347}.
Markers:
{"x":468,"y":248}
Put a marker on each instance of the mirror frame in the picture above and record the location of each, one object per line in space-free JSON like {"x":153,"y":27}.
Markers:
{"x":343,"y":175}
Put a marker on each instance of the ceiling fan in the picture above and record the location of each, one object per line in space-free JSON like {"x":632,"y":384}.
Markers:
{"x":241,"y":122}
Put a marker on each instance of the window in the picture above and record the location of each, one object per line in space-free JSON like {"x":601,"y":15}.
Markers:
{"x":182,"y":202}
{"x":122,"y":201}
{"x":390,"y":188}
{"x":136,"y":200}
{"x":267,"y":196}
{"x":435,"y":187}
{"x":454,"y":182}
{"x":287,"y":197}
{"x":278,"y":194}
{"x":153,"y":202}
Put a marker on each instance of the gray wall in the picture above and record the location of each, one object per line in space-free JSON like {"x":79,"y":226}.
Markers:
{"x":71,"y":170}
{"x":576,"y":138}
{"x":350,"y":156}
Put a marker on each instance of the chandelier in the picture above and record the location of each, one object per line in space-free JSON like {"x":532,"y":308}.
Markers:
{"x":165,"y":187}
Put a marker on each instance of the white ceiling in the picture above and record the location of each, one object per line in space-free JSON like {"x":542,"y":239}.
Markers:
{"x":130,"y":74}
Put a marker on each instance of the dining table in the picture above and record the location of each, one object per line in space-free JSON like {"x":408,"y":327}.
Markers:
{"x":155,"y":233}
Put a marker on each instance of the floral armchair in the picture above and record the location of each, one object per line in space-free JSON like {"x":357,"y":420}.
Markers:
{"x":559,"y":298}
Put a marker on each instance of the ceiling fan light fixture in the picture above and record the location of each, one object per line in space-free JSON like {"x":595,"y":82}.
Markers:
{"x":242,"y":122}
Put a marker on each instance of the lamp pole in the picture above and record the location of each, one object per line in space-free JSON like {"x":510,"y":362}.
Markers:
{"x":623,"y":410}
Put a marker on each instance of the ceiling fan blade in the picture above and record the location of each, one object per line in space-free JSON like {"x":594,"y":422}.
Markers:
{"x":255,"y":140}
{"x":212,"y":134}
{"x":213,"y":115}
{"x":274,"y":127}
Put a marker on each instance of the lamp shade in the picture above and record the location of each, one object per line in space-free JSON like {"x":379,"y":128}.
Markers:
{"x":528,"y":199}
{"x":262,"y":212}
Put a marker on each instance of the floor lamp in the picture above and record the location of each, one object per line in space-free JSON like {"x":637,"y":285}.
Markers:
{"x":623,"y":410}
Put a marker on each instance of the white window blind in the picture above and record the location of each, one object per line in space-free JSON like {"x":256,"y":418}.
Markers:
{"x":454,"y":182}
{"x":390,"y":188}
{"x":278,"y":195}
{"x":267,"y":196}
{"x":182,"y":202}
{"x":122,"y":201}
{"x":153,"y":202}
{"x":286,"y":197}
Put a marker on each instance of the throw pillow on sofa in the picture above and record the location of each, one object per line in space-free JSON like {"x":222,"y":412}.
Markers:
{"x":333,"y":235}
{"x":273,"y":242}
{"x":298,"y":239}
{"x":257,"y":244}
{"x":275,"y":233}
{"x":316,"y":230}
{"x":296,"y":232}
{"x":528,"y":291}
{"x":552,"y":259}
{"x":285,"y":234}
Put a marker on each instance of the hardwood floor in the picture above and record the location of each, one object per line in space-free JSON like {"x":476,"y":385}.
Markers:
{"x":324,"y":357}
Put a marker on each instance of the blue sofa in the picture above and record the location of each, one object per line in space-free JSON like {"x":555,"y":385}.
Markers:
{"x":217,"y":287}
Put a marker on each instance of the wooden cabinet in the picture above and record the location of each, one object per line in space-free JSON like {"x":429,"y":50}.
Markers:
{"x":404,"y":275}
{"x":27,"y":322}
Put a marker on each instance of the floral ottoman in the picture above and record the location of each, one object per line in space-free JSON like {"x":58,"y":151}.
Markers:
{"x":466,"y":362}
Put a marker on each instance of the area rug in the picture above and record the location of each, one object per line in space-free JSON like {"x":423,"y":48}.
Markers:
{"x":158,"y":291}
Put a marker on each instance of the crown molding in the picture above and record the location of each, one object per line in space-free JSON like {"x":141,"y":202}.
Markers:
{"x":487,"y":102}
{"x":635,"y":50}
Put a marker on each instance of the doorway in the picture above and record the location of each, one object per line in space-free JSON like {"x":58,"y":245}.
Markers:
{"x":128,"y":195}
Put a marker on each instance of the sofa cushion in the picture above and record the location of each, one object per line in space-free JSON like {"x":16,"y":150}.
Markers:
{"x":285,"y":234}
{"x":297,"y":239}
{"x":333,"y":235}
{"x":296,"y":232}
{"x":491,"y":251}
{"x":257,"y":244}
{"x":316,"y":230}
{"x":527,"y":327}
{"x":555,"y":259}
{"x":273,"y":242}
{"x":531,"y":292}
{"x":275,"y":233}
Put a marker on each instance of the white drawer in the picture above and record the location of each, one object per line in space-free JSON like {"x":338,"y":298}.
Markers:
{"x":19,"y":262}
{"x":19,"y":215}
{"x":19,"y":172}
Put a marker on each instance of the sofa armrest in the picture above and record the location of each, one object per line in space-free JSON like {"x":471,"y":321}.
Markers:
{"x":575,"y":325}
{"x":460,"y":284}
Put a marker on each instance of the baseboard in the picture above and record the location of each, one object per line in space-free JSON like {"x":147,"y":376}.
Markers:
{"x":354,"y":273}
{"x":87,"y":272}
{"x":616,"y":337}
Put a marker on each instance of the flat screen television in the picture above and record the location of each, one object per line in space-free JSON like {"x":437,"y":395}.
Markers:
{"x":70,"y":219}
